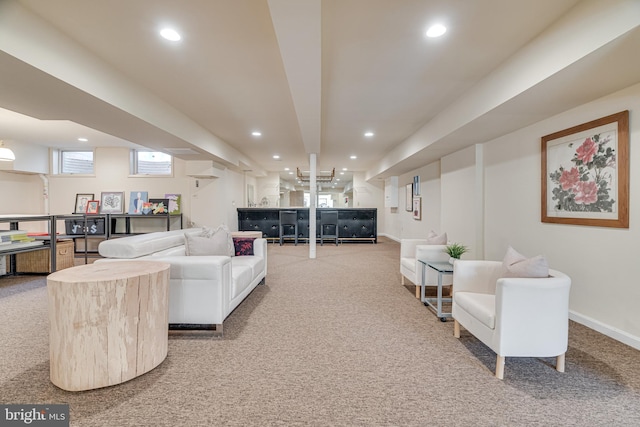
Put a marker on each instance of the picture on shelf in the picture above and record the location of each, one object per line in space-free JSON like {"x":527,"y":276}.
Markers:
{"x":112,"y":202}
{"x":136,"y":201}
{"x":175,"y":203}
{"x":93,"y":207}
{"x":81,"y":202}
{"x":159,"y":206}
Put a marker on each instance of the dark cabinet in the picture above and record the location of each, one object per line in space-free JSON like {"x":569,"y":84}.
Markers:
{"x":354,"y":224}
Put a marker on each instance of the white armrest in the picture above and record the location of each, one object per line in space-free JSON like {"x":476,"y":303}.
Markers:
{"x":408,"y":247}
{"x":434,"y":253}
{"x":541,"y":302}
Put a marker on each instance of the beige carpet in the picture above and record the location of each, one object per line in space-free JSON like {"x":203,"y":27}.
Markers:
{"x":335,"y":341}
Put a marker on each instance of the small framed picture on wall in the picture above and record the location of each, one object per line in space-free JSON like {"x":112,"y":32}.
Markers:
{"x":417,"y":208}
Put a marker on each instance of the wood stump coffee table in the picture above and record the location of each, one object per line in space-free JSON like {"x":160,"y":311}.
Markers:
{"x":108,"y":322}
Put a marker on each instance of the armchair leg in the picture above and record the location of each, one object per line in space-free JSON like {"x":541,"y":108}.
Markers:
{"x":418,"y":292}
{"x":500,"y":367}
{"x":456,"y":329}
{"x":402,"y":280}
{"x":560,"y":363}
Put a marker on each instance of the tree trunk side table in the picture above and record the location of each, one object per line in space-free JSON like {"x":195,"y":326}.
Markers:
{"x":108,"y":322}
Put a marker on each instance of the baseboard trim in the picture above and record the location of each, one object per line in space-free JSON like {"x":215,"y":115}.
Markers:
{"x":610,"y":331}
{"x":388,"y":236}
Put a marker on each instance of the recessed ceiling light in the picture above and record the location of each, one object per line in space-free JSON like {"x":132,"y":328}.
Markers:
{"x":82,"y":139}
{"x":290,"y":173}
{"x":436,"y":30}
{"x":353,"y":157}
{"x":368,"y":134}
{"x":341,"y":173}
{"x":286,"y":169}
{"x":256,"y":133}
{"x":275,"y":156}
{"x":170,"y":34}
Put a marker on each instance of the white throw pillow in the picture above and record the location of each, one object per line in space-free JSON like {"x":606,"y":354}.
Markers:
{"x":434,"y":239}
{"x":515,"y":264}
{"x":208,"y":242}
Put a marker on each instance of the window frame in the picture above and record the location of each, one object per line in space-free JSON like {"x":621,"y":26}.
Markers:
{"x":60,"y":162}
{"x":134,"y":170}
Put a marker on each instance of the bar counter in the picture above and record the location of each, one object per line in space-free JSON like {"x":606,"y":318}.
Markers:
{"x":354,"y":224}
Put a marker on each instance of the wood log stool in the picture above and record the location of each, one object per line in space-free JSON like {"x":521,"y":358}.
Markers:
{"x":108,"y":321}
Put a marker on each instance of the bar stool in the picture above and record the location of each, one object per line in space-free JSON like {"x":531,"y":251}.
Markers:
{"x":328,"y":221}
{"x":289,"y":219}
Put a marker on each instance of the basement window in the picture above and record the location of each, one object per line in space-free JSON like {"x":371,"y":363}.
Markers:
{"x":151,"y":163}
{"x":76,"y":162}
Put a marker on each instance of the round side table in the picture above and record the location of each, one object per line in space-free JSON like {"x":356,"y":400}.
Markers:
{"x":108,"y":322}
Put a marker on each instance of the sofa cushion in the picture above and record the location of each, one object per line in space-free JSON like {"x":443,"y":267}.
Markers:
{"x":515,"y":264}
{"x":242,"y":276}
{"x":243,"y":245}
{"x":434,"y":238}
{"x":143,"y":244}
{"x":208,"y":242}
{"x":480,"y":306}
{"x":255,"y":263}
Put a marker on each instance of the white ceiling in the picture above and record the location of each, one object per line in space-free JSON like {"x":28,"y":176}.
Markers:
{"x":311,"y":75}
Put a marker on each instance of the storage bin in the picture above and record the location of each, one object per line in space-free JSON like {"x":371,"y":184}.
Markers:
{"x":40,"y":261}
{"x":76,"y":226}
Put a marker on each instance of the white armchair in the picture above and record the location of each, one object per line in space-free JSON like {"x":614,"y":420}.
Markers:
{"x":412,"y":250}
{"x":515,"y":317}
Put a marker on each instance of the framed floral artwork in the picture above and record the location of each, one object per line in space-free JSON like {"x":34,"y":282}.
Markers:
{"x":585,"y":173}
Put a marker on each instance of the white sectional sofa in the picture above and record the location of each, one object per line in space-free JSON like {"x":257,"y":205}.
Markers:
{"x":204,"y":290}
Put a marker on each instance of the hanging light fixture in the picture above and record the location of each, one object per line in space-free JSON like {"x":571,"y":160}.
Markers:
{"x":6,"y":155}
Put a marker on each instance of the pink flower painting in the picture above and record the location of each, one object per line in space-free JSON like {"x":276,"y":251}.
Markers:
{"x":585,"y":184}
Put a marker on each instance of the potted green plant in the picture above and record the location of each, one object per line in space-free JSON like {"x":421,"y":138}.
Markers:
{"x":455,"y":251}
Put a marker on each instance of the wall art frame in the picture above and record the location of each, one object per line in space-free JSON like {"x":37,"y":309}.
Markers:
{"x":81,"y":202}
{"x":585,"y":173}
{"x":112,"y":202}
{"x":408,"y":197}
{"x":417,"y":208}
{"x":93,"y":207}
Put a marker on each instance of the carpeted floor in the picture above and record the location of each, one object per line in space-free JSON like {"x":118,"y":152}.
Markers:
{"x":335,"y":341}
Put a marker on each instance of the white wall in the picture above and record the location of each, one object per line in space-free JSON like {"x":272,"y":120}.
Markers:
{"x":401,"y":224}
{"x":112,"y":174}
{"x":21,"y":193}
{"x":458,"y":198}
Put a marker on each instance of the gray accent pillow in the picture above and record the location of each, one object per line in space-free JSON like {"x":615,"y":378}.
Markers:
{"x":208,"y":242}
{"x":515,"y":264}
{"x":434,"y":239}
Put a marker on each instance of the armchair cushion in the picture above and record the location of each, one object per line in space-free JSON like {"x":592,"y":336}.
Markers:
{"x":480,"y":306}
{"x":515,"y":264}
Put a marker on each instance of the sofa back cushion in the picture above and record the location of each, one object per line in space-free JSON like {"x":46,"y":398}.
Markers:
{"x":143,"y":244}
{"x":209,"y":242}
